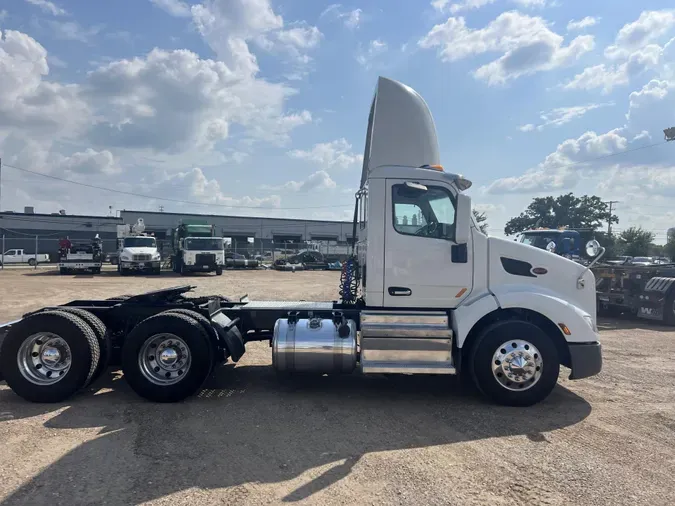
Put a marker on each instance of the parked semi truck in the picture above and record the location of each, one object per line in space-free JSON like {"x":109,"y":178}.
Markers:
{"x":137,"y":250}
{"x":564,"y":242}
{"x":197,"y":249}
{"x":438,"y":298}
{"x":646,"y":291}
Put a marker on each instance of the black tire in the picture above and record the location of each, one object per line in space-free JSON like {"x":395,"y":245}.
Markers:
{"x":63,"y":270}
{"x":101,"y":332}
{"x":181,"y":268}
{"x":194,"y":336}
{"x":96,"y":270}
{"x":205,"y":324}
{"x":84,"y":351}
{"x":157,"y":271}
{"x":490,"y":340}
{"x":219,"y":271}
{"x":32,"y":262}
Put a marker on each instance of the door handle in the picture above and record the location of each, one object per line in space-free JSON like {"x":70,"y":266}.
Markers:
{"x":399,"y":291}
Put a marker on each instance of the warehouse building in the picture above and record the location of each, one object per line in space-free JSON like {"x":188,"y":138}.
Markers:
{"x":246,"y":234}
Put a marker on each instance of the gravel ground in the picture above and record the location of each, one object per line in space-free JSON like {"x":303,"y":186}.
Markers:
{"x":347,"y":440}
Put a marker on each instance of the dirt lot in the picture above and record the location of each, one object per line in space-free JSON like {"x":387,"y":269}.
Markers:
{"x":347,"y":440}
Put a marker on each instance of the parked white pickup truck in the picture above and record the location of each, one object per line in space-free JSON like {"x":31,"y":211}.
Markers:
{"x":18,"y":256}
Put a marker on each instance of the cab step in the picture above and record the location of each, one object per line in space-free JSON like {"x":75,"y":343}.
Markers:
{"x":406,"y":343}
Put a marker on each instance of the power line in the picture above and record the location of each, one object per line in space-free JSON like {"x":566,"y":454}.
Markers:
{"x":611,"y":155}
{"x":166,"y":199}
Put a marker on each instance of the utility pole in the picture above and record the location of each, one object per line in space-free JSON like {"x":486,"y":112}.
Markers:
{"x":1,"y":186}
{"x":609,"y":220}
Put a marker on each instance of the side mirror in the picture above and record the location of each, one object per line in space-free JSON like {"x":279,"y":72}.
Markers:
{"x":463,"y":219}
{"x":550,"y":247}
{"x":592,"y":248}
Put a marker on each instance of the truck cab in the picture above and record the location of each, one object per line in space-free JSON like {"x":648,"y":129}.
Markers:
{"x":137,"y":250}
{"x":198,"y":249}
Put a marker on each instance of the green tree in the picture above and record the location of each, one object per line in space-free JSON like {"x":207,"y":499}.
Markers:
{"x":636,"y":241}
{"x":481,"y":220}
{"x":588,"y":212}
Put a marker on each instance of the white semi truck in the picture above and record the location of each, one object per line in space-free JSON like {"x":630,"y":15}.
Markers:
{"x":434,"y":297}
{"x":137,"y":251}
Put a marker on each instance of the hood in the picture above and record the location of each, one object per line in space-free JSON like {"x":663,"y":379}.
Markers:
{"x":515,"y":266}
{"x":401,"y":130}
{"x":140,"y":250}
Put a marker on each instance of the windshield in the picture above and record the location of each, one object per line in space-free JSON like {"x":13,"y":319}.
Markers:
{"x":140,"y":242}
{"x":204,"y":243}
{"x":538,"y":240}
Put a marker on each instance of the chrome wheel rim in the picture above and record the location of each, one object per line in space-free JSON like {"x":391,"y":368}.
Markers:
{"x":517,"y":365}
{"x":164,"y":359}
{"x":44,"y":358}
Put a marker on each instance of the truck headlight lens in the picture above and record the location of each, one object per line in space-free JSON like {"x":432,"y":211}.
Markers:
{"x":155,"y":256}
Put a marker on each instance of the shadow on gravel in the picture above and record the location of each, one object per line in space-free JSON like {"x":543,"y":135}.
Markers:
{"x":246,"y":428}
{"x":629,"y":322}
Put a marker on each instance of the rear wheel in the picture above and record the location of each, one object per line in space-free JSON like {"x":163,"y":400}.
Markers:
{"x":514,"y":363}
{"x":47,"y":357}
{"x":101,"y":333}
{"x":63,"y":270}
{"x":167,"y":357}
{"x":32,"y":262}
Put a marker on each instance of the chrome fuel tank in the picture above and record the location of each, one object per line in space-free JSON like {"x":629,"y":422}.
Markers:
{"x":314,"y":345}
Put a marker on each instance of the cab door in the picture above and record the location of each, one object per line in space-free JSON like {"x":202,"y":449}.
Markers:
{"x":424,"y":266}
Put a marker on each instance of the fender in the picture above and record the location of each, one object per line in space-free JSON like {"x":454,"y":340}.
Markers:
{"x":580,"y":323}
{"x":469,"y":312}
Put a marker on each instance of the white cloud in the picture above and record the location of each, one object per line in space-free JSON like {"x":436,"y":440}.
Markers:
{"x":193,"y":185}
{"x":174,"y":100}
{"x":527,"y":45}
{"x":351,"y":18}
{"x":445,"y":6}
{"x":649,"y":27}
{"x":561,"y":115}
{"x":174,"y":7}
{"x":634,"y":52}
{"x":330,"y":155}
{"x":607,"y":77}
{"x":89,"y":161}
{"x":228,"y":26}
{"x":48,"y":7}
{"x":580,"y":24}
{"x":29,"y":102}
{"x":366,"y":56}
{"x":70,"y":30}
{"x":319,"y":180}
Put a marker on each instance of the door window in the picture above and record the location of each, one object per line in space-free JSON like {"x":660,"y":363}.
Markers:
{"x":11,"y":252}
{"x":424,"y":213}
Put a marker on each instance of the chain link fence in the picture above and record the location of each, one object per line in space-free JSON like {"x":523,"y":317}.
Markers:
{"x":20,"y":249}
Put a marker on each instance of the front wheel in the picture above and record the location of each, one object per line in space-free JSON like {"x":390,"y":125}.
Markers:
{"x":167,"y":357}
{"x":219,"y":271}
{"x":515,"y":363}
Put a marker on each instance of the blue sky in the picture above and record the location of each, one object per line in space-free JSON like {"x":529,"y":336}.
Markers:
{"x":259,"y":107}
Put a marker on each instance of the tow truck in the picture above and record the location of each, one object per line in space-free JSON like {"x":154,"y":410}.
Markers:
{"x":438,"y":297}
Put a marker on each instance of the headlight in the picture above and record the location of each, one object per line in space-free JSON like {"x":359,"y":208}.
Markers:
{"x":155,"y":256}
{"x":126,"y":258}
